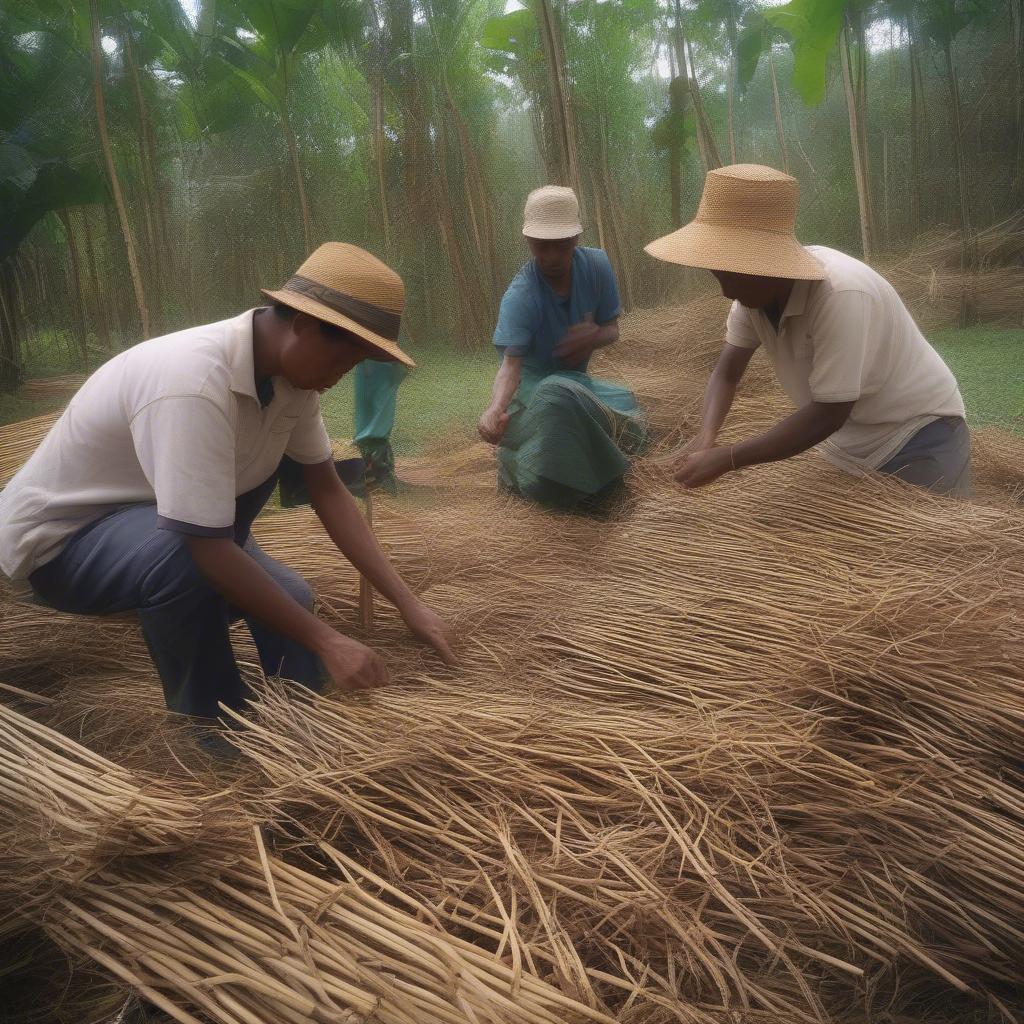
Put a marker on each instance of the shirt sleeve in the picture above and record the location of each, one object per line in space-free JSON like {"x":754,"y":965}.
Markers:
{"x":840,"y":336}
{"x":609,"y":306}
{"x":517,"y":325}
{"x":186,"y":448}
{"x":739,"y":330}
{"x":309,"y":442}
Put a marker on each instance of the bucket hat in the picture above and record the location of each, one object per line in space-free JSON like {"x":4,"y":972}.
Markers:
{"x":552,"y":212}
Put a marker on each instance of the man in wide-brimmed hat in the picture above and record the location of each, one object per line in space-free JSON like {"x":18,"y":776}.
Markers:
{"x":564,"y":438}
{"x":143,"y":494}
{"x":867,"y":385}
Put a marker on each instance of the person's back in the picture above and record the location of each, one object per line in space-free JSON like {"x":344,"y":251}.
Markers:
{"x":849,"y":336}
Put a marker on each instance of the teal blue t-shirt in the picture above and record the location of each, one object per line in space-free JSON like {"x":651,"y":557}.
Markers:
{"x":533,"y":319}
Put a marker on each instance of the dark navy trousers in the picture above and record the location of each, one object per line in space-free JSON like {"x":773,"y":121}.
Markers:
{"x":122,"y":562}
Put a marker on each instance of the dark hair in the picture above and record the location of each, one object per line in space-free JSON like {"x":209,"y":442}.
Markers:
{"x":288,"y":314}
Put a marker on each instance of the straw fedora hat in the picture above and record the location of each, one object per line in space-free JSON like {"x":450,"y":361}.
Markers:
{"x":552,"y":212}
{"x":744,"y":224}
{"x":344,"y":285}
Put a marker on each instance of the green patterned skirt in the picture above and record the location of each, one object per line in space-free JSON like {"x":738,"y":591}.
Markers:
{"x":569,"y":440}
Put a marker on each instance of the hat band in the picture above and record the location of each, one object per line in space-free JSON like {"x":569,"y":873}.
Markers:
{"x":373,"y":318}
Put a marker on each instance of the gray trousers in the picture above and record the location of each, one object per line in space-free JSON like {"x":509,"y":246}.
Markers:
{"x":937,"y":457}
{"x":123,"y":562}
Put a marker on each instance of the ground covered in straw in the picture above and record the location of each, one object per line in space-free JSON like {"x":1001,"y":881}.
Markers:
{"x":750,"y":754}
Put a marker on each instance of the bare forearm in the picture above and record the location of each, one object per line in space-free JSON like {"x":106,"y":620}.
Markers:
{"x":245,"y":584}
{"x":505,"y":385}
{"x":347,"y":527}
{"x":808,"y":426}
{"x":718,"y":398}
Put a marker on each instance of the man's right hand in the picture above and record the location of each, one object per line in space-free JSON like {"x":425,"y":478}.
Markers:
{"x":492,"y":425}
{"x":352,"y":665}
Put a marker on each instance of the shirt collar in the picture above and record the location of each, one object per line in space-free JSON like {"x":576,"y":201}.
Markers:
{"x":240,"y":356}
{"x":797,"y":302}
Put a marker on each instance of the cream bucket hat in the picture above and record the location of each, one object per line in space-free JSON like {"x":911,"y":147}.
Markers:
{"x":744,"y":224}
{"x":344,"y":285}
{"x":552,"y":212}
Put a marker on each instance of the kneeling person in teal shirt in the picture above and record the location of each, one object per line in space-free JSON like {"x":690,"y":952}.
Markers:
{"x":564,"y":438}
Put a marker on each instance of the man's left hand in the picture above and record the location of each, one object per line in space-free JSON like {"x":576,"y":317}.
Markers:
{"x":578,"y":343}
{"x":426,"y":625}
{"x":702,"y":467}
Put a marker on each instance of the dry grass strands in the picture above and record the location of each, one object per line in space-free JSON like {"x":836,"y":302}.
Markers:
{"x":248,"y":938}
{"x":50,"y":389}
{"x":755,"y":762}
{"x":68,"y":812}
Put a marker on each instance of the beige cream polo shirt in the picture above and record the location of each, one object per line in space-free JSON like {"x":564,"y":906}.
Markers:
{"x":849,"y":338}
{"x":175,"y":421}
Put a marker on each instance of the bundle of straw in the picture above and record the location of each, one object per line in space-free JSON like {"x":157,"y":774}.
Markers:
{"x":744,"y":754}
{"x":243,"y":937}
{"x":718,"y":774}
{"x":47,"y":389}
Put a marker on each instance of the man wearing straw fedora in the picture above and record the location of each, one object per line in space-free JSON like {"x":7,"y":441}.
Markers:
{"x":564,"y":438}
{"x":143,"y":494}
{"x":868,"y":387}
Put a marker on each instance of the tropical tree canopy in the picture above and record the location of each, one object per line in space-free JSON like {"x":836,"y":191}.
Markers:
{"x":160,"y":161}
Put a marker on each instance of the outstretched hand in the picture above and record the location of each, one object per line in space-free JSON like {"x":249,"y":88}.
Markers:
{"x":426,"y":625}
{"x":702,"y":467}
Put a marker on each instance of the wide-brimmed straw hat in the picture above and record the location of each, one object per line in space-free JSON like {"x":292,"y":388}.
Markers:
{"x":344,"y":285}
{"x":552,"y":212}
{"x":744,"y":224}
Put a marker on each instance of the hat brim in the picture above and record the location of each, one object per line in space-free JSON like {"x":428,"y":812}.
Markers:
{"x":384,"y":349}
{"x":552,"y":232}
{"x":737,"y":251}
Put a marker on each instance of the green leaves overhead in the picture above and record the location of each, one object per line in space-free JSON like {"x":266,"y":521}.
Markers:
{"x":512,"y":39}
{"x":55,"y":186}
{"x":811,"y":27}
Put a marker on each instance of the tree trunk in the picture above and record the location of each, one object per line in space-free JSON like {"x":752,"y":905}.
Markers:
{"x":99,"y":307}
{"x":862,"y":103}
{"x":558,"y":85}
{"x":915,"y":132}
{"x":1017,"y":13}
{"x":968,"y":259}
{"x":730,"y":90}
{"x":293,"y":153}
{"x":677,"y":93}
{"x":82,"y":332}
{"x":776,"y":106}
{"x":712,"y":158}
{"x":378,"y":156}
{"x":10,"y":345}
{"x":108,"y":156}
{"x":153,"y":199}
{"x":729,"y":99}
{"x":466,"y":291}
{"x":859,"y":169}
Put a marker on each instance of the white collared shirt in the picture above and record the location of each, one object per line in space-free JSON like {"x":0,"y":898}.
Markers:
{"x":849,"y":338}
{"x":176,"y":421}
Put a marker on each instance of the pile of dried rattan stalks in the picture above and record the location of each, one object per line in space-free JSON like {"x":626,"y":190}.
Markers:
{"x":747,"y":754}
{"x":242,"y":936}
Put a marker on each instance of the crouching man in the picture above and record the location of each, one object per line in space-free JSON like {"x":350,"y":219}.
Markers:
{"x":867,"y":386}
{"x":143,"y":494}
